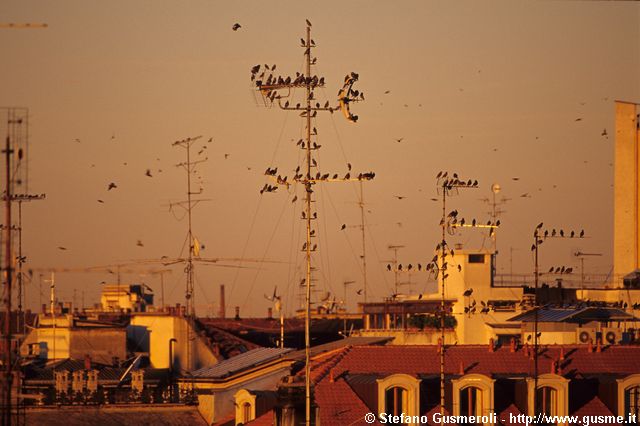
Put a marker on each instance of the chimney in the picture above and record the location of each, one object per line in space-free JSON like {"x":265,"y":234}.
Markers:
{"x":87,"y":362}
{"x":223,"y":306}
{"x":599,"y":345}
{"x":491,"y":345}
{"x":177,"y":309}
{"x":590,"y":349}
{"x":269,"y":313}
{"x":562,"y":354}
{"x":237,"y":313}
{"x":512,"y":345}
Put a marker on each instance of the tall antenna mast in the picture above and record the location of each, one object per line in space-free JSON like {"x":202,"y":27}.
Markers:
{"x":271,"y":86}
{"x":364,"y":246}
{"x":194,"y":246}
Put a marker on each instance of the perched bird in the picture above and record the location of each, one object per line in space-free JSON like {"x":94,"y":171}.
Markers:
{"x":295,"y":198}
{"x":308,"y":23}
{"x":582,"y":233}
{"x":388,"y":267}
{"x":236,"y":27}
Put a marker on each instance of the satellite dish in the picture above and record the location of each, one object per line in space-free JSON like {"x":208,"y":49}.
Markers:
{"x":495,"y":188}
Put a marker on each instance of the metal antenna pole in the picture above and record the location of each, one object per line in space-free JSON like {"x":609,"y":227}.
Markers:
{"x":535,"y":324}
{"x":188,"y":206}
{"x":443,"y":255}
{"x":7,"y":358}
{"x":309,"y":191}
{"x":364,"y":246}
{"x":270,"y":86}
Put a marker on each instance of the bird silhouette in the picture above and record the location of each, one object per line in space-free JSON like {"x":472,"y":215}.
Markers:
{"x":61,"y":248}
{"x":236,"y":27}
{"x":139,"y":243}
{"x":400,"y":197}
{"x":111,"y":186}
{"x":582,"y":233}
{"x":399,"y":140}
{"x":604,"y":132}
{"x":100,"y":201}
{"x":343,"y":226}
{"x":148,"y":173}
{"x":308,"y":22}
{"x":359,"y":291}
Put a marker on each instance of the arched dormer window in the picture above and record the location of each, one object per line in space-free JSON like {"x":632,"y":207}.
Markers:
{"x":245,"y":403}
{"x":551,"y":395}
{"x":473,"y":395}
{"x":629,"y":396}
{"x":399,"y":393}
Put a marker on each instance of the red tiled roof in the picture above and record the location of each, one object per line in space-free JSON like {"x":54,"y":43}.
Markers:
{"x":595,"y":407}
{"x":433,"y":411}
{"x":506,"y":415}
{"x":339,"y":404}
{"x":267,"y":419}
{"x":620,"y":360}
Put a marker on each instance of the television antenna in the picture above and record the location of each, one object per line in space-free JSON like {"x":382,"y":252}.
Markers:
{"x":279,"y":88}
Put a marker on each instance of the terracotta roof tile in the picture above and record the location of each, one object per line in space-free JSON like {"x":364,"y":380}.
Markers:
{"x":618,"y":360}
{"x":506,"y":415}
{"x":339,"y":404}
{"x":595,"y":407}
{"x":267,"y":419}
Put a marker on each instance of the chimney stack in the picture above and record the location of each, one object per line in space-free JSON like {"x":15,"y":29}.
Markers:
{"x":87,"y":362}
{"x":223,"y":306}
{"x":491,"y":345}
{"x":237,"y":313}
{"x":269,"y":313}
{"x":512,"y":345}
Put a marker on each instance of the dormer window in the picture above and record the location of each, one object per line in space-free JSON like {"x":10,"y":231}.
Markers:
{"x":472,"y":395}
{"x":551,"y":395}
{"x":399,"y":393}
{"x":629,"y":396}
{"x":245,"y":403}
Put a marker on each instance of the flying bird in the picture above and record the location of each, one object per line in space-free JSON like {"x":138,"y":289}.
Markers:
{"x":226,"y":156}
{"x":236,"y":27}
{"x":61,"y":248}
{"x":604,"y":133}
{"x":139,"y":243}
{"x":148,"y":173}
{"x":386,"y":92}
{"x":359,"y":292}
{"x":399,"y":140}
{"x":400,"y":197}
{"x":111,"y":186}
{"x":343,"y":226}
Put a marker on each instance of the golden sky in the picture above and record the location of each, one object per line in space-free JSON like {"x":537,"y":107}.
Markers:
{"x":492,"y":90}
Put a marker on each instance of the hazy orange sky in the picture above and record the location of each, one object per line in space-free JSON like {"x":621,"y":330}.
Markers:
{"x":492,"y":90}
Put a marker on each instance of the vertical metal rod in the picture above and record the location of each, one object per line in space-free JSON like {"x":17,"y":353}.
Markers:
{"x":535,"y":328}
{"x":364,"y":251}
{"x":7,"y":359}
{"x":443,"y":254}
{"x":309,"y":191}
